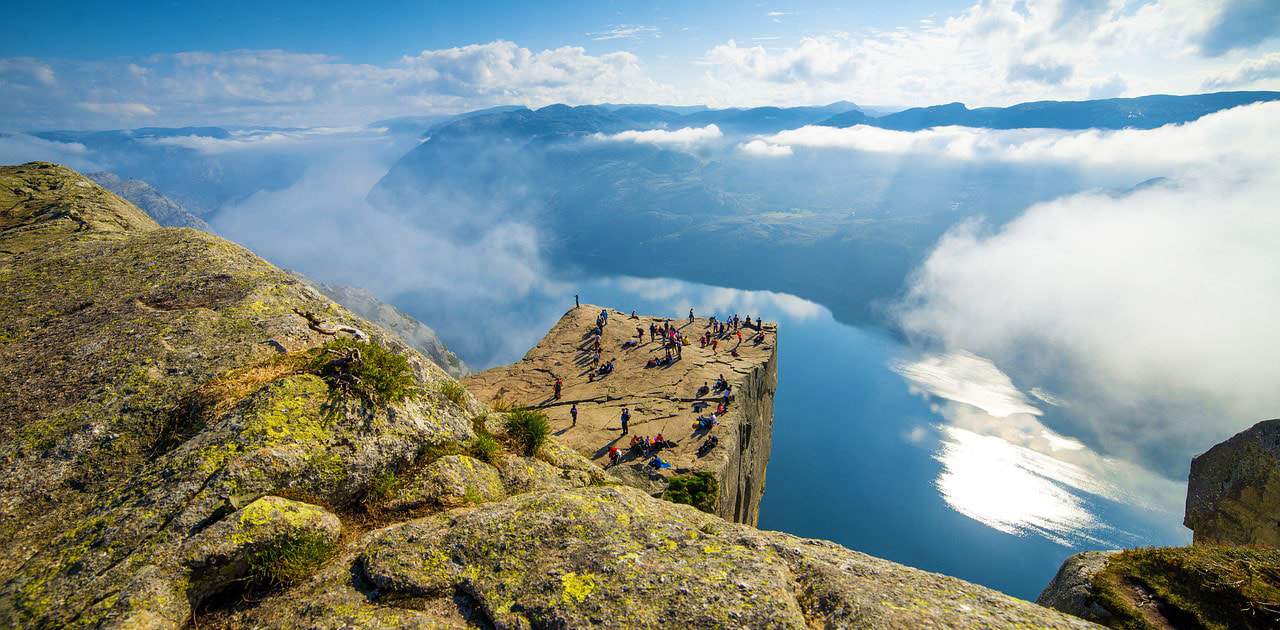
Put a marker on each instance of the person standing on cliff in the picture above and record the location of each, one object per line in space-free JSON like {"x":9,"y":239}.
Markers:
{"x":558,"y":385}
{"x":576,"y":303}
{"x":573,"y":413}
{"x":626,"y":419}
{"x":691,"y":316}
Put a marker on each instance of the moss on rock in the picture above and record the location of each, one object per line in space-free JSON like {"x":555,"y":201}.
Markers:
{"x":450,"y":481}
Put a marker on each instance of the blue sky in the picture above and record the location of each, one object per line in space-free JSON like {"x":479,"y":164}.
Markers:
{"x":95,"y":65}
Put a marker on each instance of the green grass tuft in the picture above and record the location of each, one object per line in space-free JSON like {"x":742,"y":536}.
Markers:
{"x":529,"y":429}
{"x":485,"y":448}
{"x":290,"y":561}
{"x":698,"y":489}
{"x":367,"y":371}
{"x":454,"y":392}
{"x":1205,"y":586}
{"x":383,"y":487}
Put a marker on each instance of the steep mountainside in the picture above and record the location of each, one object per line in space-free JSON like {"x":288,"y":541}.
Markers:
{"x":418,"y":335}
{"x":164,"y":210}
{"x":190,"y":435}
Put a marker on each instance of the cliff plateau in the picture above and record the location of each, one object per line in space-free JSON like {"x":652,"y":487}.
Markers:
{"x":663,"y":399}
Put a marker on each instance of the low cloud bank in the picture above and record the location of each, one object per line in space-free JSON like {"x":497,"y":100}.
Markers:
{"x":683,"y":138}
{"x":1237,"y":138}
{"x":1150,"y":314}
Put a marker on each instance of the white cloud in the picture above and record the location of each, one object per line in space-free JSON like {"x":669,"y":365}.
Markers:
{"x":1152,"y":311}
{"x":760,"y":148}
{"x":816,"y":59}
{"x":1223,"y":141}
{"x":685,"y":137}
{"x":18,"y":148}
{"x":127,"y":110}
{"x":296,"y":89}
{"x":1044,"y":49}
{"x":625,"y":31}
{"x":1249,"y":72}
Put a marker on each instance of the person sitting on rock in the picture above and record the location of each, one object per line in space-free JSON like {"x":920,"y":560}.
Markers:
{"x":707,"y":446}
{"x":703,"y":391}
{"x":614,"y":455}
{"x":657,"y":463}
{"x":721,"y":383}
{"x":705,"y":423}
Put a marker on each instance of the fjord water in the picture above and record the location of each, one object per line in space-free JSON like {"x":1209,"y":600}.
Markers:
{"x":860,"y":459}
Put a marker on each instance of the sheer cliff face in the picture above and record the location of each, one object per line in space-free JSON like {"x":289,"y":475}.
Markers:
{"x":181,"y":446}
{"x":662,"y":399}
{"x":747,"y":449}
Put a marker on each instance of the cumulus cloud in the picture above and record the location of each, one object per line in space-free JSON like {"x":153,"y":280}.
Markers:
{"x":298,"y":89}
{"x":1241,"y":24}
{"x":1248,"y":72}
{"x":1111,"y":87}
{"x":816,"y":59}
{"x":1043,"y":71}
{"x":685,"y":137}
{"x":1060,"y":49}
{"x":1149,"y":311}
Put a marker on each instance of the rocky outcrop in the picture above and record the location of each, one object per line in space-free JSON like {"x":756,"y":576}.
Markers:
{"x":1072,"y":590}
{"x":614,"y":557}
{"x":1233,"y":492}
{"x":189,"y":437}
{"x":662,"y":400}
{"x":1226,"y":579}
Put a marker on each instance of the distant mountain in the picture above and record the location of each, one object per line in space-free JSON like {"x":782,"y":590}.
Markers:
{"x":200,"y":181}
{"x":768,"y":119}
{"x":1143,"y":112}
{"x":420,"y":125}
{"x":164,"y":210}
{"x":413,"y":332}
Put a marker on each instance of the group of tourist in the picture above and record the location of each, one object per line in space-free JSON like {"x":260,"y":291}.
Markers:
{"x":673,"y":340}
